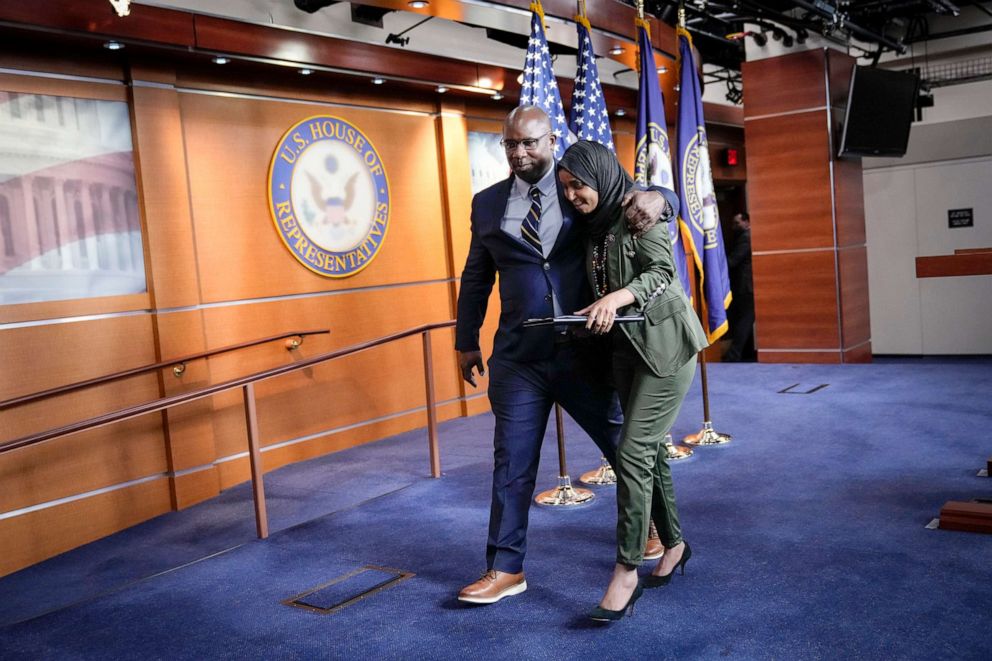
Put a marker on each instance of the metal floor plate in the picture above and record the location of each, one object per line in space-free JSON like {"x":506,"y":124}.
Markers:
{"x":348,"y":589}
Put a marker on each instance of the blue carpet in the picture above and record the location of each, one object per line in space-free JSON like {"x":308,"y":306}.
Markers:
{"x":808,"y":533}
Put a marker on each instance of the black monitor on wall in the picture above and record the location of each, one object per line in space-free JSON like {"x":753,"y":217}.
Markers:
{"x":879,"y":112}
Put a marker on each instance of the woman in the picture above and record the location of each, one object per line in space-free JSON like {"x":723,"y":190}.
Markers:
{"x":654,"y":362}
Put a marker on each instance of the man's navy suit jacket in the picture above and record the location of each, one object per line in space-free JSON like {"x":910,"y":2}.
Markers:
{"x":526,"y":279}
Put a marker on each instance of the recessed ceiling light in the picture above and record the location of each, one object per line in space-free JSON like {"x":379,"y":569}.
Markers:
{"x":662,"y":69}
{"x":617,"y":50}
{"x":378,"y":81}
{"x":520,"y":79}
{"x":497,"y":96}
{"x":620,"y":112}
{"x":221,"y":60}
{"x":305,"y":72}
{"x":441,"y":89}
{"x":418,"y":4}
{"x":113,"y":45}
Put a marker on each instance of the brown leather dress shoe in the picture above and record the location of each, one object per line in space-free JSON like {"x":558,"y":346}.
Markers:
{"x":654,"y":549}
{"x":493,"y":586}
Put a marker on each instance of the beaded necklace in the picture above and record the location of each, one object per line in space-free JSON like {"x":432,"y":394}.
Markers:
{"x":600,"y":282}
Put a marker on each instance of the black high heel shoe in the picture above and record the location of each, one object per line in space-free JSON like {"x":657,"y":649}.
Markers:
{"x":653,"y":581}
{"x":600,"y":614}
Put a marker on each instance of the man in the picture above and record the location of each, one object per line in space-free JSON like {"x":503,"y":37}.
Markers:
{"x":741,"y":312}
{"x":523,"y":230}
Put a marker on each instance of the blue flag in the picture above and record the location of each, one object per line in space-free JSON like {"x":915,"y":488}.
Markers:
{"x":588,"y":117}
{"x":699,"y":218}
{"x":540,"y":87}
{"x":653,"y":154}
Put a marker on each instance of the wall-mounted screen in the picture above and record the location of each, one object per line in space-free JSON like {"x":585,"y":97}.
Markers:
{"x":879,"y":112}
{"x":69,"y":224}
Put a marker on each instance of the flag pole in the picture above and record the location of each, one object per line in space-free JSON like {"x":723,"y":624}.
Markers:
{"x":707,"y":435}
{"x":564,"y":495}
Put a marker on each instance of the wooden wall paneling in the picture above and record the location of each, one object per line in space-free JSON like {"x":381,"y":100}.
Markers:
{"x":840,"y":66}
{"x":796,"y":300}
{"x":188,"y":429}
{"x":850,"y":203}
{"x":828,"y":357}
{"x":22,"y":50}
{"x":164,"y":195}
{"x":853,"y":268}
{"x":110,"y":91}
{"x":239,"y":251}
{"x":73,"y":308}
{"x":144,"y":23}
{"x":787,"y":83}
{"x":789,"y":182}
{"x":378,"y":382}
{"x":35,"y":536}
{"x":943,"y":266}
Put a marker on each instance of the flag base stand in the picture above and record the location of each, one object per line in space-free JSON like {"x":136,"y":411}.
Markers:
{"x":564,"y":495}
{"x":601,"y":477}
{"x":707,"y":436}
{"x":673,"y":452}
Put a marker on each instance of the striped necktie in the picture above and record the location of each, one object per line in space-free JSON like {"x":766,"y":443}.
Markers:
{"x":530,"y":230}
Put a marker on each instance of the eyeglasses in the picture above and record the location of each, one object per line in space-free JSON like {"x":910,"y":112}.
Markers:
{"x":529,"y":144}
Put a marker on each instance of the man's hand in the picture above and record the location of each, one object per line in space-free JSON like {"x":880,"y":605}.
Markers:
{"x":644,"y":209}
{"x":466,"y":361}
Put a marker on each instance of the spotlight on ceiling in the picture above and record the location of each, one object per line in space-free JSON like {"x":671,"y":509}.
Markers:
{"x":220,"y":59}
{"x":441,"y":89}
{"x":662,"y":69}
{"x":305,"y":72}
{"x":759,"y":39}
{"x":496,"y":97}
{"x":378,"y":81}
{"x":620,"y":112}
{"x":418,"y":4}
{"x":113,"y":45}
{"x":617,"y":50}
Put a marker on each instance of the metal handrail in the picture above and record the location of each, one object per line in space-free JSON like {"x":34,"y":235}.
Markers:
{"x":247,"y":383}
{"x":180,"y":361}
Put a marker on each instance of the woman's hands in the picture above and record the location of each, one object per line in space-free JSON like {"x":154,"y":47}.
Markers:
{"x":603,"y":312}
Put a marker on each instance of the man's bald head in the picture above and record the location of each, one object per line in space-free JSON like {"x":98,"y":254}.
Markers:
{"x":529,"y":142}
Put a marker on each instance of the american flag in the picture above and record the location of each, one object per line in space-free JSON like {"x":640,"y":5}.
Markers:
{"x":588,"y":117}
{"x":540,"y":87}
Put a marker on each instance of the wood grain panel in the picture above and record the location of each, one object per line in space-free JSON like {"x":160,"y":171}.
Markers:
{"x":36,"y":536}
{"x":192,"y":488}
{"x":231,"y":142}
{"x":819,"y":357}
{"x":98,"y":17}
{"x":796,"y":301}
{"x":849,"y":198}
{"x":162,"y":181}
{"x":189,"y":432}
{"x":235,"y":471}
{"x":861,"y":354}
{"x":946,"y":266}
{"x":27,"y":50}
{"x":787,"y":83}
{"x":73,"y":308}
{"x":855,"y":322}
{"x":375,"y":383}
{"x":58,"y":87}
{"x":789,"y":182}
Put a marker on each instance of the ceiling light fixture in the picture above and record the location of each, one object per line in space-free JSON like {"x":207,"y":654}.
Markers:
{"x":497,"y":96}
{"x":378,"y":81}
{"x":617,"y":50}
{"x":485,"y":82}
{"x":113,"y":45}
{"x":220,"y":59}
{"x":620,"y":112}
{"x":418,"y":4}
{"x":441,"y":89}
{"x":305,"y":72}
{"x":662,"y":69}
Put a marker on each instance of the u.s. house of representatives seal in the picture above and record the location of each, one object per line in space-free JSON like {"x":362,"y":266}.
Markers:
{"x":329,"y":196}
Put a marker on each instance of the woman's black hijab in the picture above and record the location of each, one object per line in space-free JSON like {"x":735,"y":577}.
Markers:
{"x":597,"y":167}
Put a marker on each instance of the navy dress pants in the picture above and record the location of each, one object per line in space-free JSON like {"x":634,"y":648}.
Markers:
{"x":521,"y":395}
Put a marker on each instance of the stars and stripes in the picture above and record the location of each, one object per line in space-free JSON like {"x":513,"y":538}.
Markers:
{"x":540,"y":87}
{"x":588,"y":117}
